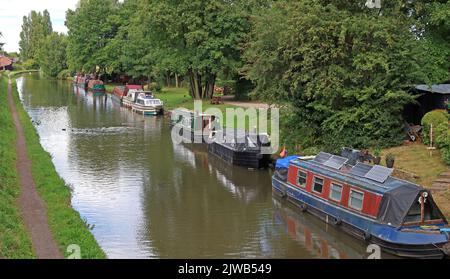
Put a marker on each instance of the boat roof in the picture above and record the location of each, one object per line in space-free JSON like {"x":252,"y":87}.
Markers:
{"x":373,"y":178}
{"x":133,"y":86}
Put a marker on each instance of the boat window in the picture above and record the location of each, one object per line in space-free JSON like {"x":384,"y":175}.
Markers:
{"x":318,"y":185}
{"x":336,"y":192}
{"x":356,"y":200}
{"x":301,"y":179}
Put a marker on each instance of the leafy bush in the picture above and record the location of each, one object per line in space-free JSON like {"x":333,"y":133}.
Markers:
{"x":30,"y":64}
{"x":446,"y":154}
{"x":439,"y":119}
{"x":154,"y":86}
{"x":64,"y":74}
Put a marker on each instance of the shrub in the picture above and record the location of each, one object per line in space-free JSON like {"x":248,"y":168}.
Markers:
{"x":442,"y":135}
{"x":154,"y":86}
{"x":437,"y":118}
{"x":30,"y":64}
{"x":64,"y":74}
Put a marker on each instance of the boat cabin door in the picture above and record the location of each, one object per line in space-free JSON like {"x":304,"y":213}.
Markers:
{"x":207,"y":124}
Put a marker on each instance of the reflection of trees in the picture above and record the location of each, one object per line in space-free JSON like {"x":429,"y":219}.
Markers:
{"x":192,"y":214}
{"x":46,"y":93}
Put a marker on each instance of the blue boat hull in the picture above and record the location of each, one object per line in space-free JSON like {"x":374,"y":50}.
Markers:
{"x":391,"y":240}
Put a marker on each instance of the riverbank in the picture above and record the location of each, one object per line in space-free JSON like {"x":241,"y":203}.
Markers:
{"x":423,"y":167}
{"x":14,"y":239}
{"x":65,"y":223}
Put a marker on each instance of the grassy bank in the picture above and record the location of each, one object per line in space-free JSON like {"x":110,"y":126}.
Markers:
{"x":14,"y":240}
{"x":426,"y":165}
{"x":65,"y":223}
{"x":179,"y":98}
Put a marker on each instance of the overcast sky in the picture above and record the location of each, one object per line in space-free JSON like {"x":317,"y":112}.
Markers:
{"x":12,"y":12}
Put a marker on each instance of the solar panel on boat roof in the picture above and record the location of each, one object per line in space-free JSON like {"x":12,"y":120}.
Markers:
{"x":379,"y":174}
{"x":336,"y":162}
{"x":360,"y":169}
{"x":322,"y":157}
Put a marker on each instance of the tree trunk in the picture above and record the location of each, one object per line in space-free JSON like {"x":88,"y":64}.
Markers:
{"x":149,"y":81}
{"x":176,"y":80}
{"x":209,"y":86}
{"x":195,"y":82}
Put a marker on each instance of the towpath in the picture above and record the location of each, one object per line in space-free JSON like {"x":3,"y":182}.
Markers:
{"x":31,"y":205}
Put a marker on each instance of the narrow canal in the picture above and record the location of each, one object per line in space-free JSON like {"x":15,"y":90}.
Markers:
{"x":149,"y":198}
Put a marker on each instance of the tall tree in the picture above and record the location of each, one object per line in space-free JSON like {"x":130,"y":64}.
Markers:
{"x":35,"y":28}
{"x":345,"y":69}
{"x":90,"y":30}
{"x":52,"y":54}
{"x":201,"y":38}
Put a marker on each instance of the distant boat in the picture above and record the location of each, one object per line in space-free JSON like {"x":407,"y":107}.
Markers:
{"x":96,"y":86}
{"x":242,"y":149}
{"x":143,"y":102}
{"x":366,"y":202}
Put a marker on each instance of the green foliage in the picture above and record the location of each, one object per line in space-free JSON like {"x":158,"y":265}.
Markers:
{"x":345,"y":69}
{"x":65,"y":74}
{"x":35,"y":28}
{"x":154,"y":86}
{"x":91,"y":27}
{"x":14,"y":240}
{"x":65,"y":223}
{"x":30,"y":64}
{"x":437,"y":118}
{"x":52,"y":54}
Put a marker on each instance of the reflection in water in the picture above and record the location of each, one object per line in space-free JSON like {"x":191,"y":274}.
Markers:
{"x":149,"y":197}
{"x":319,"y":238}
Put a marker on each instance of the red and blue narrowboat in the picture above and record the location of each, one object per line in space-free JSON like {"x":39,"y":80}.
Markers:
{"x":367,"y":202}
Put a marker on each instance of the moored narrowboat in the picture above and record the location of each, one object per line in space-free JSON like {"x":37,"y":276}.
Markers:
{"x":96,"y":85}
{"x":194,"y":127}
{"x":367,"y":202}
{"x":241,"y":148}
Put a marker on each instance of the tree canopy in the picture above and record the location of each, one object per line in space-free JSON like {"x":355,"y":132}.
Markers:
{"x":52,"y":54}
{"x":35,"y":28}
{"x":344,"y":68}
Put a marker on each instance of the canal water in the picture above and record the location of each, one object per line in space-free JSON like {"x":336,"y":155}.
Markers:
{"x":147,"y":197}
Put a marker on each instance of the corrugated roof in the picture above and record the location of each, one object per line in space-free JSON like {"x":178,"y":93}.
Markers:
{"x":351,"y":179}
{"x":437,"y":88}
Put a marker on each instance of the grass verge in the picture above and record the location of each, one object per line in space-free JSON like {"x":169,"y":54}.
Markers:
{"x":426,"y":164}
{"x":65,"y":223}
{"x":14,"y":240}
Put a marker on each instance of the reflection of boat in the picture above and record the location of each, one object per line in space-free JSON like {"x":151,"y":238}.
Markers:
{"x":236,"y":180}
{"x":241,"y":148}
{"x":317,"y":237}
{"x":194,"y":127}
{"x":81,"y":81}
{"x":366,"y":202}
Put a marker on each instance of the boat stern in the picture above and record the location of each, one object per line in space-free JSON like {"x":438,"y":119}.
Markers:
{"x":446,"y":250}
